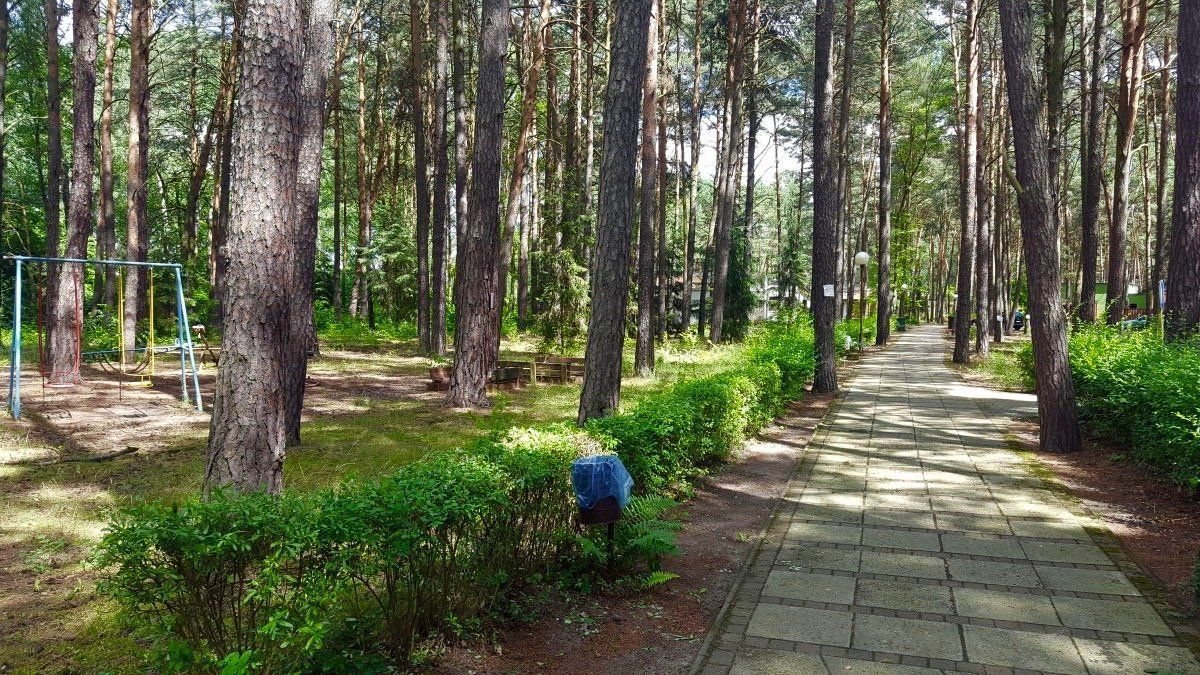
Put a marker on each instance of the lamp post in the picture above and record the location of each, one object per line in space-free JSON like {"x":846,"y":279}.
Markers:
{"x":903,"y":300}
{"x":861,"y":259}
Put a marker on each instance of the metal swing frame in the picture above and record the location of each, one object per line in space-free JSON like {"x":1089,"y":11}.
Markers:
{"x":187,"y":355}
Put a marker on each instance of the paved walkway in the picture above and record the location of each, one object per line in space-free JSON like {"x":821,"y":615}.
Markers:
{"x":912,"y":541}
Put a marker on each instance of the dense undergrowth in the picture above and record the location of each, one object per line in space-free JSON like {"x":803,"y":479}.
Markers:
{"x":1142,"y":393}
{"x":360,"y":574}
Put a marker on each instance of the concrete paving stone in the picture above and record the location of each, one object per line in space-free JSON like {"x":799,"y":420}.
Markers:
{"x":904,"y":596}
{"x":1085,"y":581}
{"x":821,"y":558}
{"x":801,"y":624}
{"x":784,"y":583}
{"x":984,"y":604}
{"x":836,"y":482}
{"x":969,"y":544}
{"x":912,"y":541}
{"x":903,"y":565}
{"x":839,"y":665}
{"x":966,"y":522}
{"x":990,"y":572}
{"x":846,"y":500}
{"x":1022,"y":649}
{"x":1053,"y":551}
{"x":894,"y":518}
{"x":889,"y":485}
{"x":910,"y":502}
{"x":1121,"y":658}
{"x":1049,"y":529}
{"x":772,"y":662}
{"x":836,"y":514}
{"x":928,"y":639}
{"x":831,"y":534}
{"x":1111,"y":615}
{"x":974,"y":505}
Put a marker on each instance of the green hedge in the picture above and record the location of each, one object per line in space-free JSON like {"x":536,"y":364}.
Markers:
{"x":297,"y":582}
{"x":1142,"y":393}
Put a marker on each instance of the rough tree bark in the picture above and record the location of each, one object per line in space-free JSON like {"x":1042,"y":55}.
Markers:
{"x":727,"y":191}
{"x":1183,"y":276}
{"x":883,"y":287}
{"x":67,"y":314}
{"x":846,"y":268}
{"x":248,"y":431}
{"x":643,"y":355}
{"x":825,"y":207}
{"x":420,"y":167}
{"x":1093,"y":169}
{"x":106,"y":230}
{"x":441,"y":171}
{"x":1133,"y":52}
{"x":137,"y":219}
{"x":610,"y":270}
{"x":697,"y":112}
{"x":1055,"y":389}
{"x":53,"y":195}
{"x":477,"y":329}
{"x":318,"y":51}
{"x":967,"y":187}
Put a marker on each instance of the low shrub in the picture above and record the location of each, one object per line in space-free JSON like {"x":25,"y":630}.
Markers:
{"x":849,"y":328}
{"x":1142,"y":393}
{"x":230,"y":584}
{"x":312,"y":581}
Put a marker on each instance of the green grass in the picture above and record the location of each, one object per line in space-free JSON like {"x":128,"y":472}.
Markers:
{"x":1004,"y":366}
{"x":64,"y":507}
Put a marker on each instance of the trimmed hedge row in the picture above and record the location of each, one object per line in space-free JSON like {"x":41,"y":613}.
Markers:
{"x":1135,"y":389}
{"x":299,"y":581}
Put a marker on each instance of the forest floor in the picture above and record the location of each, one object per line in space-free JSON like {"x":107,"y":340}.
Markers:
{"x":367,"y":412}
{"x":1156,"y":524}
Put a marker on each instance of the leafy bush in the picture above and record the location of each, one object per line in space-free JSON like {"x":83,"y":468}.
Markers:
{"x":848,"y":328}
{"x":1140,"y":392}
{"x":314,"y":582}
{"x":229,"y":584}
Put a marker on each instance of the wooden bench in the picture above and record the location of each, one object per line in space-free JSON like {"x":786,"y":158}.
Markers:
{"x":504,"y":377}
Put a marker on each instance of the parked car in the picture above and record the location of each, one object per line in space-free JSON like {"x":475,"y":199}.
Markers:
{"x":1019,"y":321}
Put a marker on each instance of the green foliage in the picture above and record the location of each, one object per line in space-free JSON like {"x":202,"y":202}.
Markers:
{"x":849,"y":328}
{"x":234,"y":580}
{"x":1142,"y":393}
{"x":675,"y":435}
{"x":324,"y":580}
{"x":739,"y":299}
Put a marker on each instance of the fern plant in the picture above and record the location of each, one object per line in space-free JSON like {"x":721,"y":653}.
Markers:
{"x":640,"y":540}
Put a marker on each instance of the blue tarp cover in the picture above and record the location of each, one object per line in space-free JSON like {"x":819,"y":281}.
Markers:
{"x":600,"y":476}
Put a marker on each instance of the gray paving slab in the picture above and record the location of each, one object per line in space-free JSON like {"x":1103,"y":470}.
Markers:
{"x":914,"y":542}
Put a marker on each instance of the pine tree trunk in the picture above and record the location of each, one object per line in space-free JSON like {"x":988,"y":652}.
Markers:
{"x":366,"y":201}
{"x":1092,"y":173}
{"x":845,"y":269}
{"x":318,"y":52}
{"x":1055,"y":389}
{"x":137,"y":219}
{"x":53,"y":195}
{"x":461,"y":140}
{"x":883,"y":288}
{"x":477,"y":330}
{"x":697,"y":112}
{"x":441,"y":172}
{"x":1182,"y":309}
{"x":726,"y":198}
{"x":66,"y":323}
{"x":538,"y":42}
{"x":1133,"y":51}
{"x":106,"y":231}
{"x":249,"y":421}
{"x":967,"y":188}
{"x":421,"y":168}
{"x":825,"y":207}
{"x":610,"y":270}
{"x":643,"y":358}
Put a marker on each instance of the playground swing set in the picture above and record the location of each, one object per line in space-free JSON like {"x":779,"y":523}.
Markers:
{"x":144,"y":367}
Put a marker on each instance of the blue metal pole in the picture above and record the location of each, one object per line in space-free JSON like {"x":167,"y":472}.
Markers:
{"x":187,"y":333}
{"x":183,"y":385}
{"x":122,"y":263}
{"x":14,"y":366}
